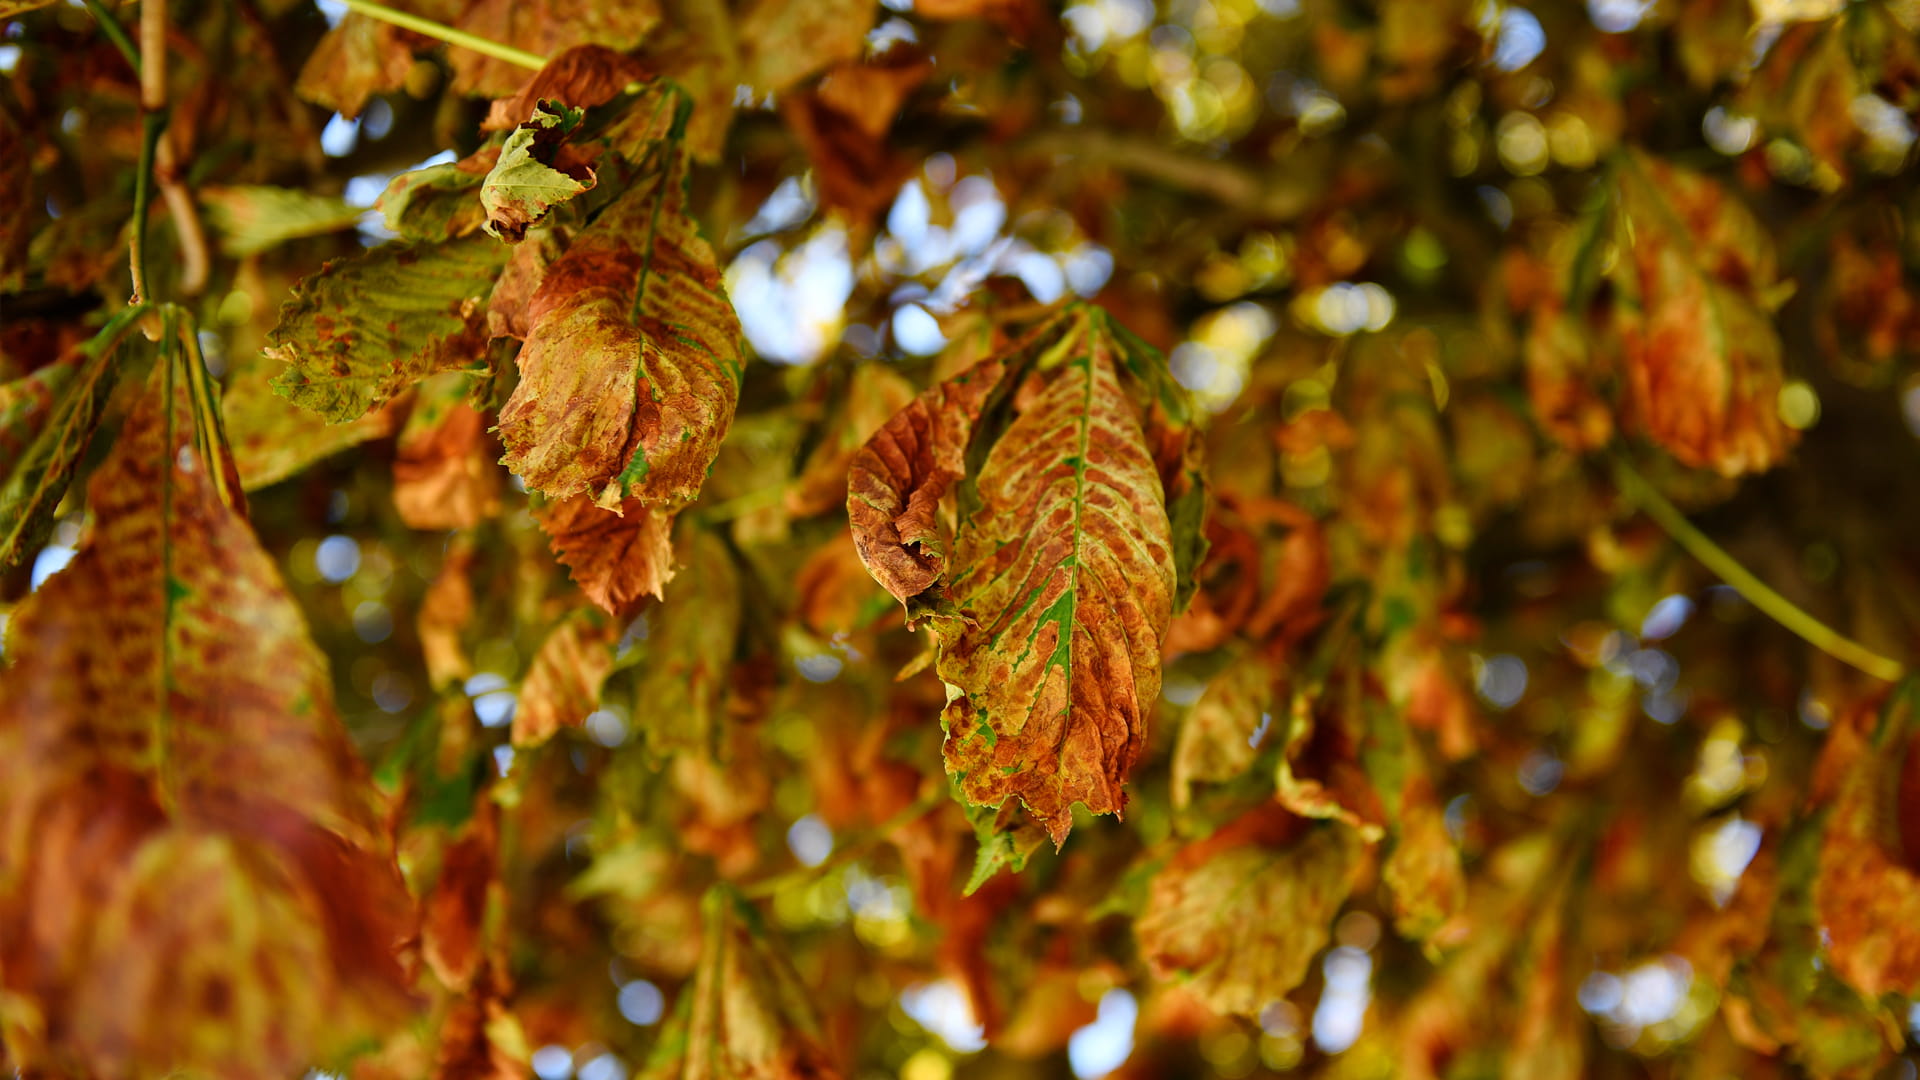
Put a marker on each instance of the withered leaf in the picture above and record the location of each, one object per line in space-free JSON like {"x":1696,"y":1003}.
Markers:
{"x":1866,"y":894}
{"x":563,"y":685}
{"x":785,"y":41}
{"x":1238,"y":916}
{"x":445,"y":613}
{"x":544,"y":28}
{"x":750,"y":1015}
{"x":358,"y":58}
{"x":582,"y":77}
{"x":368,"y":327}
{"x":617,"y":558}
{"x":1703,"y":366}
{"x":633,"y":358}
{"x":233,"y":905}
{"x":444,"y":474}
{"x":681,"y":697}
{"x":272,"y":438}
{"x":453,"y":919}
{"x":1051,"y":617}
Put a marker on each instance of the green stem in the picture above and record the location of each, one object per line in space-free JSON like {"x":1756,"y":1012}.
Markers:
{"x":152,"y":126}
{"x":1758,"y":593}
{"x":116,"y":33}
{"x":507,"y":53}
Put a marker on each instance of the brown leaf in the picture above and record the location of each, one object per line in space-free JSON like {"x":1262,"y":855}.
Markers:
{"x":785,"y":41}
{"x":358,"y":58}
{"x":192,"y":861}
{"x":1240,"y":915}
{"x":873,"y":396}
{"x":545,"y":28}
{"x":1866,"y":896}
{"x":617,"y":558}
{"x":563,"y":685}
{"x":444,"y":476}
{"x":444,"y":614}
{"x":480,"y":1039}
{"x":633,"y":359}
{"x":454,"y":916}
{"x":582,"y":76}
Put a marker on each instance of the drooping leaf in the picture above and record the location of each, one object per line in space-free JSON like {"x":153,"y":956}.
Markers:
{"x":444,"y":614}
{"x":525,"y":184}
{"x":1867,"y":893}
{"x":544,"y":28}
{"x":617,"y":558}
{"x":581,"y":77}
{"x":680,"y":700}
{"x":444,"y":473}
{"x":366,"y":328}
{"x":258,"y":217}
{"x":1237,"y":917}
{"x":37,"y":478}
{"x":784,"y":41}
{"x":1224,"y":732}
{"x":437,"y":203}
{"x":358,"y":58}
{"x":563,"y":685}
{"x":272,"y":438}
{"x":192,"y":853}
{"x":750,"y":1015}
{"x":697,"y":48}
{"x":453,"y":919}
{"x":633,"y":358}
{"x":1703,"y":366}
{"x":1062,"y":589}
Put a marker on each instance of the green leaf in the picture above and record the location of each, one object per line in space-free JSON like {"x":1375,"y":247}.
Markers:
{"x":523,"y":186}
{"x":685,"y":679}
{"x":434,"y":203}
{"x":256,"y":218}
{"x":368,"y":327}
{"x":37,"y":479}
{"x":633,"y":358}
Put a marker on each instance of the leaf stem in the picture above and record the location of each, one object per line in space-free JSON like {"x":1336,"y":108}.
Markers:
{"x":507,"y":53}
{"x":116,"y":33}
{"x":1758,"y":593}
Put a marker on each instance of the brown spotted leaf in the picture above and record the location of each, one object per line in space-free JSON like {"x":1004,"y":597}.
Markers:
{"x":444,"y":472}
{"x":272,"y":438}
{"x":1237,"y":917}
{"x":617,"y":559}
{"x":195,"y":867}
{"x":632,"y":361}
{"x":1062,"y":588}
{"x":437,"y":203}
{"x":366,"y":328}
{"x":563,"y":685}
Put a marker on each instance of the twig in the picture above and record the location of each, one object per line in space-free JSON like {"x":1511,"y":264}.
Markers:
{"x":1758,"y":593}
{"x":507,"y":53}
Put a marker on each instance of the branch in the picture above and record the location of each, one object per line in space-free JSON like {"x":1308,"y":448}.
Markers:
{"x":1715,"y":558}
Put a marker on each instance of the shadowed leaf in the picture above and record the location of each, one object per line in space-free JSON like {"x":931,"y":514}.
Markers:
{"x":444,"y":474}
{"x":366,"y":328}
{"x":681,"y":697}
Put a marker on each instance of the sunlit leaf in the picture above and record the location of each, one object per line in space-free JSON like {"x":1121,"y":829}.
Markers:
{"x":524,"y":184}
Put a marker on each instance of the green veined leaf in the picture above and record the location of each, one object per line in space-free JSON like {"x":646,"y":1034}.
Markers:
{"x":37,"y":479}
{"x":259,"y":217}
{"x":365,"y":328}
{"x":523,"y":186}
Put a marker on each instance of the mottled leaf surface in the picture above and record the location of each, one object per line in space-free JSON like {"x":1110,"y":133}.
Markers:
{"x":444,"y":473}
{"x":366,"y":328}
{"x":632,"y":364}
{"x":195,"y":866}
{"x":1239,"y":916}
{"x":618,"y":558}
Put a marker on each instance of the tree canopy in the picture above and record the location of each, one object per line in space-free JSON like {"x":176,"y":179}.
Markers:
{"x":959,"y":538}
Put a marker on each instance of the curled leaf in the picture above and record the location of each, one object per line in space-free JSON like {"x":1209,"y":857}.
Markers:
{"x":528,"y":180}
